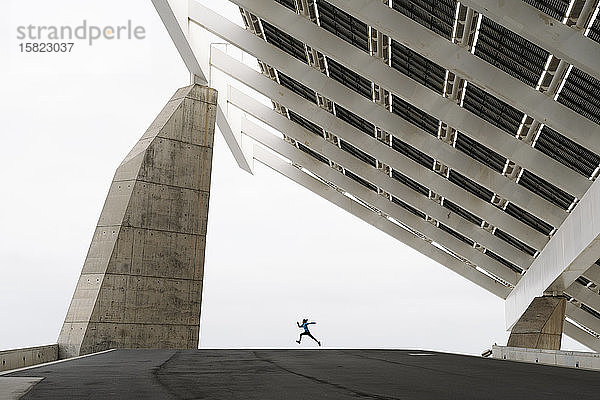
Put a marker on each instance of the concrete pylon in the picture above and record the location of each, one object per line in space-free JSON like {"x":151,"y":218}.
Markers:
{"x":141,"y":283}
{"x":541,"y":326}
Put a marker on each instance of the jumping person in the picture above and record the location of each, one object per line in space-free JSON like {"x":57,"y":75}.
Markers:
{"x":305,"y":325}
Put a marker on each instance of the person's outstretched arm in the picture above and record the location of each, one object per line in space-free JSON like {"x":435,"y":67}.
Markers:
{"x":312,"y":323}
{"x":298,"y":323}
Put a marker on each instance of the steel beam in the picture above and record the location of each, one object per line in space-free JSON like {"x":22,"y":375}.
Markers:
{"x":380,"y":222}
{"x":538,"y":27}
{"x":375,"y":176}
{"x":461,"y":62}
{"x":583,"y":317}
{"x":569,"y":253}
{"x":379,"y":150}
{"x":584,"y":295}
{"x":390,"y":122}
{"x":410,"y":91}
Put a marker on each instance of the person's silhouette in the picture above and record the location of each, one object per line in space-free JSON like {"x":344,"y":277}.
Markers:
{"x":306,"y":332}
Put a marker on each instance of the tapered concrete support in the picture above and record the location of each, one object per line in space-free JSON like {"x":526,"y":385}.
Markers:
{"x":541,"y":326}
{"x":141,"y":282}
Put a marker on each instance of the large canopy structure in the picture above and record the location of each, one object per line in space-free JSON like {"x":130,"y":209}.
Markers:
{"x":469,"y":130}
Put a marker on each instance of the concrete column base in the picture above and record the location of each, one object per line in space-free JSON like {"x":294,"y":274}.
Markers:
{"x":541,"y":326}
{"x":141,"y":283}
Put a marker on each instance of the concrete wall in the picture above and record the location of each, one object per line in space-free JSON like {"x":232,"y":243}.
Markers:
{"x":141,"y":283}
{"x":574,"y":359}
{"x":20,"y":358}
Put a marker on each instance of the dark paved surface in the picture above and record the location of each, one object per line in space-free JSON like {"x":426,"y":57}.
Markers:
{"x":304,"y":374}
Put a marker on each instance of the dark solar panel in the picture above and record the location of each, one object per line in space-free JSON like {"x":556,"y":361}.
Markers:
{"x":479,"y":152}
{"x":408,"y":207}
{"x":594,"y":32}
{"x":416,"y":186}
{"x":456,"y":234}
{"x":528,"y":218}
{"x":583,"y":280}
{"x":470,"y":186}
{"x":412,"y":153}
{"x":305,"y":123}
{"x":355,"y":120}
{"x":510,"y":52}
{"x":313,"y":153}
{"x":554,"y":8}
{"x":343,"y":25}
{"x":285,"y":42}
{"x":567,"y":152}
{"x":436,"y":15}
{"x":297,"y":87}
{"x":356,"y":152}
{"x":590,"y":310}
{"x":291,"y":4}
{"x":546,"y":190}
{"x":414,"y":115}
{"x":514,"y":242}
{"x":493,"y":110}
{"x":503,"y":261}
{"x":417,"y":67}
{"x":349,"y":78}
{"x":360,"y":180}
{"x":462,"y":212}
{"x":581,"y":93}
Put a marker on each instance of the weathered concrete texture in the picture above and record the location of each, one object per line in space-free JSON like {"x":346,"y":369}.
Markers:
{"x":20,"y":358}
{"x":141,"y":282}
{"x":541,"y":326}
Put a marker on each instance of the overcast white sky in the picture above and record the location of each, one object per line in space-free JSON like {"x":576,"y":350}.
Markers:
{"x":275,"y":251}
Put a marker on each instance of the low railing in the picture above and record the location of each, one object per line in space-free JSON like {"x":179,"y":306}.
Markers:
{"x":20,"y":358}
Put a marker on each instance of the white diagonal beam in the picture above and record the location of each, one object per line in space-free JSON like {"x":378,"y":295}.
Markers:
{"x":538,"y":27}
{"x":370,"y":111}
{"x":583,"y":317}
{"x":378,"y":149}
{"x":375,"y":176}
{"x":581,"y":336}
{"x":461,"y":62}
{"x":569,"y":253}
{"x":414,"y":93}
{"x":584,"y":295}
{"x":325,"y":172}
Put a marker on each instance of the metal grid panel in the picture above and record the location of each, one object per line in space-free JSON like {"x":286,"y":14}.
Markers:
{"x":414,"y":115}
{"x":469,"y":185}
{"x":479,"y":152}
{"x":356,"y":152}
{"x":313,"y":153}
{"x":529,"y":219}
{"x":581,"y":93}
{"x":567,"y":152}
{"x":291,"y":4}
{"x":416,"y":186}
{"x":456,"y":234}
{"x":412,"y":153}
{"x":343,"y":25}
{"x":594,"y":32}
{"x":360,"y":180}
{"x":554,"y":8}
{"x":462,"y":212}
{"x":417,"y":67}
{"x":349,"y":78}
{"x":546,"y":190}
{"x":514,"y":242}
{"x":297,"y":87}
{"x":510,"y":265}
{"x":436,"y":15}
{"x":285,"y":42}
{"x":355,"y":120}
{"x":510,"y":52}
{"x":408,"y":207}
{"x":305,"y":123}
{"x":492,"y":109}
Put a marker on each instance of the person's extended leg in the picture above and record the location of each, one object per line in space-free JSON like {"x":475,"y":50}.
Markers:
{"x":300,"y":338}
{"x":313,"y":338}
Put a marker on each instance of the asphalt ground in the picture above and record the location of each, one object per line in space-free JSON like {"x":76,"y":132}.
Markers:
{"x":304,"y":374}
